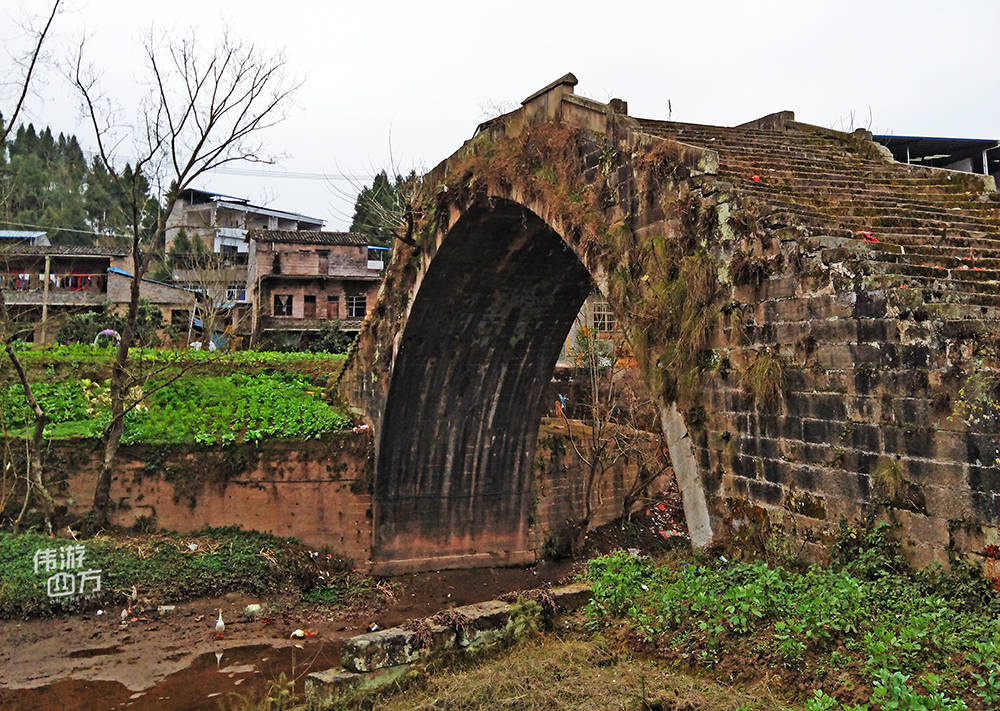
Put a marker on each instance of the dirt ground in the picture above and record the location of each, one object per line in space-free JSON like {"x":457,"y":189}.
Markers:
{"x":173,"y":660}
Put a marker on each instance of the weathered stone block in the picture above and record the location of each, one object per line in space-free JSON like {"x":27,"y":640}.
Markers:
{"x":838,"y":357}
{"x":377,"y":650}
{"x":947,"y":503}
{"x":322,"y":687}
{"x":821,"y":431}
{"x":488,"y":624}
{"x":776,"y":472}
{"x":569,"y":598}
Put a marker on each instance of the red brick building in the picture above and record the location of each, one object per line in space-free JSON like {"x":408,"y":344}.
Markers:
{"x":300,"y":280}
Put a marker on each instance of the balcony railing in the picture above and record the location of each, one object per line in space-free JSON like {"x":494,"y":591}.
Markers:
{"x":58,"y":283}
{"x":207,"y":260}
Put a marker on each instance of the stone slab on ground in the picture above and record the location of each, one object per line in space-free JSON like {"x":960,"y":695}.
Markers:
{"x":570,"y":598}
{"x":377,"y":650}
{"x":488,"y":622}
{"x":321,"y":687}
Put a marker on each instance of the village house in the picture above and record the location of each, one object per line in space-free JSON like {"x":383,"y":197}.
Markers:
{"x":299,"y":281}
{"x":44,"y":284}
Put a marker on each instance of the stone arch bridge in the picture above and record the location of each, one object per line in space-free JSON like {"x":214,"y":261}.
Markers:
{"x":817,"y":325}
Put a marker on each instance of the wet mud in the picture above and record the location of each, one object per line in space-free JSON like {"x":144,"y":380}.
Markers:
{"x":174,"y":661}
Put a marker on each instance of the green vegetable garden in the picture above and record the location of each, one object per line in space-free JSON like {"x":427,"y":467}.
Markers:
{"x":184,"y":396}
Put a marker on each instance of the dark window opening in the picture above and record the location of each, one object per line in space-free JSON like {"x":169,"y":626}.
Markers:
{"x":309,"y":306}
{"x":282,"y":304}
{"x":357,"y":306}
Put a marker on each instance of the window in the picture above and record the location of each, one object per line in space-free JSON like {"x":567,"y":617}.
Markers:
{"x":309,"y":306}
{"x":236,"y":292}
{"x":604,"y":318}
{"x":282,"y":304}
{"x":356,"y":307}
{"x":332,"y":306}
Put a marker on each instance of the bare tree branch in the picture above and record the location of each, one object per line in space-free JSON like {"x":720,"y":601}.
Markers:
{"x":33,"y":59}
{"x":205,"y":107}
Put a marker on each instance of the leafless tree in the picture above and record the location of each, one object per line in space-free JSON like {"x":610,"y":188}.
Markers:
{"x":617,"y":417}
{"x":207,"y":105}
{"x":29,"y":63}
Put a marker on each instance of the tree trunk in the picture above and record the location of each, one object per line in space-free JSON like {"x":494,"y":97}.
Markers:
{"x":118,"y":392}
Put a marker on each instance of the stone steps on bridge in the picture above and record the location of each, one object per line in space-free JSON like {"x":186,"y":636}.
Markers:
{"x":935,"y":232}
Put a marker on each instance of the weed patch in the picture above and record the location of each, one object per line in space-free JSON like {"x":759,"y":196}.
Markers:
{"x":867,"y":629}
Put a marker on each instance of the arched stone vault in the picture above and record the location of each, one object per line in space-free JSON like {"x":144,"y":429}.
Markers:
{"x":480,"y":345}
{"x":750,"y":303}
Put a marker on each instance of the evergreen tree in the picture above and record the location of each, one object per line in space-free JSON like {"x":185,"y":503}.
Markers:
{"x":379,"y":209}
{"x":47,"y":184}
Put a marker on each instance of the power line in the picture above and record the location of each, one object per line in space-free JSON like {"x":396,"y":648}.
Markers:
{"x":265,"y":173}
{"x":77,"y":230}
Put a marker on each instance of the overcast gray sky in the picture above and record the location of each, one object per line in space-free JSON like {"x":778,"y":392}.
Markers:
{"x":425,"y":73}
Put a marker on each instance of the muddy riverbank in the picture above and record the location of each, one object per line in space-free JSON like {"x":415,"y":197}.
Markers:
{"x":173,"y":660}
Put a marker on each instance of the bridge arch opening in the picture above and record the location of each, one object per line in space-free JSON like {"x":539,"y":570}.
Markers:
{"x":454,"y":467}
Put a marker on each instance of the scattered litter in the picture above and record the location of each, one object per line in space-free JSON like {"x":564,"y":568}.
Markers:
{"x":100,"y":612}
{"x":360,"y":428}
{"x":373,"y":627}
{"x":192,"y":546}
{"x":723,"y":559}
{"x":252,"y":611}
{"x":164,"y":609}
{"x":756,"y":178}
{"x":301,"y":634}
{"x":672,"y":534}
{"x":644,"y":587}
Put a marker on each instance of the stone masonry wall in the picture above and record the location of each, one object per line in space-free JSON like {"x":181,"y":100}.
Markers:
{"x":315,"y":491}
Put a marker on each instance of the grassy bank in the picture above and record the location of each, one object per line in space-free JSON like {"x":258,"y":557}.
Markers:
{"x":865,"y":632}
{"x":170,"y":567}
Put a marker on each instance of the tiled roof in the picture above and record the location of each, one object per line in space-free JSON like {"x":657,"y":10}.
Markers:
{"x":308,"y":237}
{"x":61,"y":250}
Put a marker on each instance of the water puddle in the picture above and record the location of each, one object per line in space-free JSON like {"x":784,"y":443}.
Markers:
{"x":200,"y":687}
